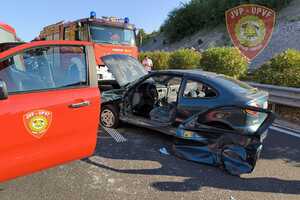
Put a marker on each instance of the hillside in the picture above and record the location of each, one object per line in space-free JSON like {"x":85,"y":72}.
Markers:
{"x":286,"y":35}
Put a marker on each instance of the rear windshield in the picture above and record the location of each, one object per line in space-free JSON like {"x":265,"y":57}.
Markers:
{"x":235,"y":85}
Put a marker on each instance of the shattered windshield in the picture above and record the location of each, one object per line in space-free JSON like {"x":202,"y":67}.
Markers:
{"x":125,"y":69}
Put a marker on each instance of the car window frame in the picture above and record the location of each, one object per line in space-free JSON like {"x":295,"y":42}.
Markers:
{"x":186,"y":79}
{"x":87,"y":84}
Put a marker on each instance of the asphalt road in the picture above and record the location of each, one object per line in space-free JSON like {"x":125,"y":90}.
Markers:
{"x":135,"y":169}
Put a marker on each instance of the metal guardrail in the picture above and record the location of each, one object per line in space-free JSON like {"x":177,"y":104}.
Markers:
{"x":280,"y":95}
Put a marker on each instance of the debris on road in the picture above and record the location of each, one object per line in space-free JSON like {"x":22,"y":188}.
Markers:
{"x":164,"y":151}
{"x":232,"y":198}
{"x":114,"y":133}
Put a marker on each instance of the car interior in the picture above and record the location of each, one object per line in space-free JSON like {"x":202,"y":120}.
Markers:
{"x":108,"y":85}
{"x":33,"y":70}
{"x":196,"y":89}
{"x":156,"y":98}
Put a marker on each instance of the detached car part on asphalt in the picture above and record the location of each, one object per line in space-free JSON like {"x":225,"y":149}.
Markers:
{"x":216,"y":120}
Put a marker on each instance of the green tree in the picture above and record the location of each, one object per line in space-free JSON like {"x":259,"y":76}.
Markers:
{"x":140,"y":37}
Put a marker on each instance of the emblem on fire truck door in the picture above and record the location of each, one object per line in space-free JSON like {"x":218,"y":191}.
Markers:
{"x":250,"y":28}
{"x":37,"y":122}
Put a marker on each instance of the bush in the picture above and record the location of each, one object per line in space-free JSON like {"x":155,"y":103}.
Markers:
{"x":225,"y":60}
{"x":160,"y":59}
{"x":283,"y":69}
{"x":184,"y":59}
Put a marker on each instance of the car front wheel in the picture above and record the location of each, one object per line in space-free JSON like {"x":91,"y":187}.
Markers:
{"x":109,"y":116}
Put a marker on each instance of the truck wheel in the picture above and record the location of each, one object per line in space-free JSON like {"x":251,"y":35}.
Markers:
{"x":109,"y":116}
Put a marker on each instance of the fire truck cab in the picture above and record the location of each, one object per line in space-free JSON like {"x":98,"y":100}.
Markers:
{"x":7,"y":33}
{"x":109,"y":35}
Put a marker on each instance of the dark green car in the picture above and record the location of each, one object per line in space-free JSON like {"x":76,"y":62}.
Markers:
{"x":214,"y":118}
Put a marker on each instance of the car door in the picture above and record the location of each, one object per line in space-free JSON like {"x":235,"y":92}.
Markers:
{"x":51,"y":113}
{"x":196,"y":96}
{"x":229,"y":136}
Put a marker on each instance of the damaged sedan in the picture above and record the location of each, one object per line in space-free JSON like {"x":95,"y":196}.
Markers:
{"x":214,"y":119}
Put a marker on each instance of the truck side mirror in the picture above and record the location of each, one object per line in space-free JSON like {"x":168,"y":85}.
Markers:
{"x":3,"y":90}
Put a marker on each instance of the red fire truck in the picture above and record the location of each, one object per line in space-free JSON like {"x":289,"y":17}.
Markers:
{"x":109,"y":35}
{"x":7,"y":33}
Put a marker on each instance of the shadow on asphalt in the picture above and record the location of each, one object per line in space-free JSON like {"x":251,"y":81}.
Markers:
{"x":145,"y":145}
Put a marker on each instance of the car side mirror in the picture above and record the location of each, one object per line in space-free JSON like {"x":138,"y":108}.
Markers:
{"x":3,"y":90}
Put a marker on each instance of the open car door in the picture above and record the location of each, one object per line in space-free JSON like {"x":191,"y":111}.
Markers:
{"x":229,"y":136}
{"x":49,"y":105}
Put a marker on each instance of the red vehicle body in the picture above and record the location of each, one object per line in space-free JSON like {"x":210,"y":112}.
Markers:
{"x":7,"y":33}
{"x":109,"y":35}
{"x":43,"y":117}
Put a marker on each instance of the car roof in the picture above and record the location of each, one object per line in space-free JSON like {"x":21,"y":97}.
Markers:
{"x":216,"y":80}
{"x":191,"y":72}
{"x":41,"y":43}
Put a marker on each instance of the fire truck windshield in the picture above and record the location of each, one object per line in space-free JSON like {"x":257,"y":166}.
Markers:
{"x":112,"y":35}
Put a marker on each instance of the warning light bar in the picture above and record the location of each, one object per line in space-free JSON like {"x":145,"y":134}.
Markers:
{"x":110,"y":19}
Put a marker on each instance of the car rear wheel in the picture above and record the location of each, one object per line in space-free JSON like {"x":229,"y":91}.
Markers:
{"x":109,"y":116}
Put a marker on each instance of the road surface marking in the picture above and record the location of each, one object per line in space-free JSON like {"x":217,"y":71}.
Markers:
{"x":281,"y":130}
{"x":114,"y":133}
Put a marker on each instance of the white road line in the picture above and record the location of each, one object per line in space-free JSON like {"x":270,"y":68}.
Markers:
{"x":115,"y":135}
{"x":284,"y":131}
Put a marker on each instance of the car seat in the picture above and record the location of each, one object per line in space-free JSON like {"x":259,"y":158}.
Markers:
{"x":164,"y":114}
{"x":144,"y":99}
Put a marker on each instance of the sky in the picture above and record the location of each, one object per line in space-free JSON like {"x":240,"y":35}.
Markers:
{"x":28,"y":17}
